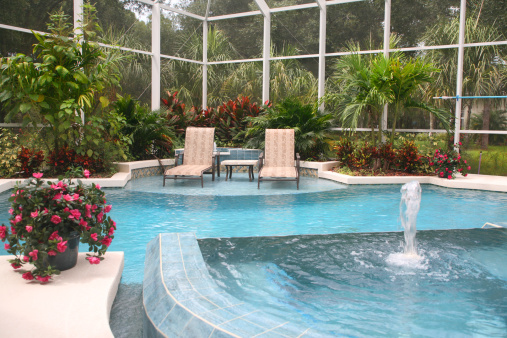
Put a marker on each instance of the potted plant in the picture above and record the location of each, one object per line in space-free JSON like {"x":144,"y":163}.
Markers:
{"x":447,"y":164}
{"x":48,"y":218}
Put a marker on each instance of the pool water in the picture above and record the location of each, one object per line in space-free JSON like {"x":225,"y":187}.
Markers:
{"x":236,"y":208}
{"x":343,"y":284}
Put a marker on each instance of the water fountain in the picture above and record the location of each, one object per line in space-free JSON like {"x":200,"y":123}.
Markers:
{"x":409,"y":208}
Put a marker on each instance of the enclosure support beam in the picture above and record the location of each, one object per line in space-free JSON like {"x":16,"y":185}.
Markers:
{"x":78,"y":30}
{"x":205,"y":59}
{"x":459,"y":76}
{"x":387,"y":39}
{"x":155,"y":58}
{"x":322,"y":51}
{"x":266,"y":49}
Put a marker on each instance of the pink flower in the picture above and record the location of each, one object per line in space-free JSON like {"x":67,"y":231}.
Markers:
{"x":57,"y":196}
{"x":441,"y":174}
{"x":44,"y":279}
{"x":108,"y":208}
{"x":61,"y":247}
{"x":97,"y":186}
{"x":56,"y":219}
{"x":33,"y":254}
{"x":94,"y":207}
{"x":29,"y":228}
{"x":468,"y":168}
{"x":17,"y":219}
{"x":86,"y":173}
{"x":75,"y":214}
{"x":51,"y":253}
{"x":465,"y":161}
{"x":75,"y":196}
{"x":15,"y":266}
{"x":94,"y":236}
{"x":3,"y":231}
{"x":7,"y":246}
{"x":88,"y":206}
{"x":68,"y":198}
{"x":111,"y":231}
{"x":46,"y":210}
{"x":26,"y":258}
{"x":34,"y":214}
{"x":99,"y":216}
{"x":37,"y":175}
{"x":84,"y":224}
{"x":11,"y":211}
{"x":106,"y":241}
{"x":13,"y":231}
{"x":27,"y":275}
{"x":449,"y":177}
{"x":54,"y":236}
{"x":465,"y":175}
{"x":93,"y":260}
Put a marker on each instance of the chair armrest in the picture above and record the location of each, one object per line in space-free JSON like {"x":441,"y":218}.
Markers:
{"x":261,"y":161}
{"x":213,"y":159}
{"x":297,"y":161}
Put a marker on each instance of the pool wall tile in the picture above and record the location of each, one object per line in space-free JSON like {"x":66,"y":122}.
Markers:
{"x":181,"y":299}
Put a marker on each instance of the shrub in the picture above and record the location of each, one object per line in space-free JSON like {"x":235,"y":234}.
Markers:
{"x":447,"y":164}
{"x":66,"y":158}
{"x":345,"y":152}
{"x":29,"y":161}
{"x":408,"y":158}
{"x":9,"y":149}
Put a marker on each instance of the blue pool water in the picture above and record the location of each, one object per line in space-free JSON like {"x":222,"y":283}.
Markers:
{"x":236,"y":208}
{"x":345,"y":284}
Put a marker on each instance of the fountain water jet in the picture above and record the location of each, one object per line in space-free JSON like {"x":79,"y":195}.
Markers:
{"x":409,"y":208}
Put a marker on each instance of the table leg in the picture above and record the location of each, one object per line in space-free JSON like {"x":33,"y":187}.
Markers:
{"x":226,"y":172}
{"x":251,"y":171}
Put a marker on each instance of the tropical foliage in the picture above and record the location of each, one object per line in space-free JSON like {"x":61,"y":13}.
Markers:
{"x":309,"y":123}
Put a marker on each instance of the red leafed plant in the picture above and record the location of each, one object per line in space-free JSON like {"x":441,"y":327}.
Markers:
{"x":30,"y":161}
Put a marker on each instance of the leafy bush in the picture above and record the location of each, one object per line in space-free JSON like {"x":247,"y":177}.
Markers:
{"x":148,"y":131}
{"x":408,"y":158}
{"x":9,"y":149}
{"x":66,"y":159}
{"x":309,"y":123}
{"x":29,"y":161}
{"x":447,"y":164}
{"x":345,"y":152}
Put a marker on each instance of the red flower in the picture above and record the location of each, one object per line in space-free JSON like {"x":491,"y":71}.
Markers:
{"x":15,"y":265}
{"x":93,"y":260}
{"x":106,"y":241}
{"x":56,"y":219}
{"x":61,"y":247}
{"x":44,"y":279}
{"x":27,"y":275}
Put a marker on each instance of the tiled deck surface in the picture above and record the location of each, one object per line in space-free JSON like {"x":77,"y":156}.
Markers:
{"x":182,"y":300}
{"x":75,"y":304}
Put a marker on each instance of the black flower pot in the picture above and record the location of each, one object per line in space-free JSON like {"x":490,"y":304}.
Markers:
{"x":67,"y":259}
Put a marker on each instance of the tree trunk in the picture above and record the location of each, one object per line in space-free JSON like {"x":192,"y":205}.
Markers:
{"x":486,"y":113}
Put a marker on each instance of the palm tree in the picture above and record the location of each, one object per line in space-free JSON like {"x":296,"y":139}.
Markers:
{"x":356,"y":87}
{"x":407,"y":77}
{"x":483,"y":66}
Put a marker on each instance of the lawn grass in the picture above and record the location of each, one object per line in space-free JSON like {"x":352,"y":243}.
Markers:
{"x":493,"y":161}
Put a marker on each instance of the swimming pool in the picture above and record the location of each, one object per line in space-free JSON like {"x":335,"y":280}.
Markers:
{"x":236,"y":208}
{"x":343,"y":284}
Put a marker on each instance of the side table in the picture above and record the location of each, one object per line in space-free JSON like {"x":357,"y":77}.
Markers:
{"x":237,"y":163}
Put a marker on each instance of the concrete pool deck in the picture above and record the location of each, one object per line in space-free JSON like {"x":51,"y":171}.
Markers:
{"x":79,"y":300}
{"x":75,"y":304}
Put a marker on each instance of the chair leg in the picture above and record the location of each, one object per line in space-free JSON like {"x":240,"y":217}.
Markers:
{"x":163,"y":184}
{"x":202,"y":181}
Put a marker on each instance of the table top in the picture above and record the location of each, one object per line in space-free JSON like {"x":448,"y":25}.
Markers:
{"x":239,"y":162}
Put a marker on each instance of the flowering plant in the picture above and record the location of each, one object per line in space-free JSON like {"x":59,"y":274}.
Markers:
{"x":448,"y":164}
{"x":43,"y":216}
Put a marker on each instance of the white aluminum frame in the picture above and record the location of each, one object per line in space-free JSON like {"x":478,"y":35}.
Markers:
{"x":266,"y":11}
